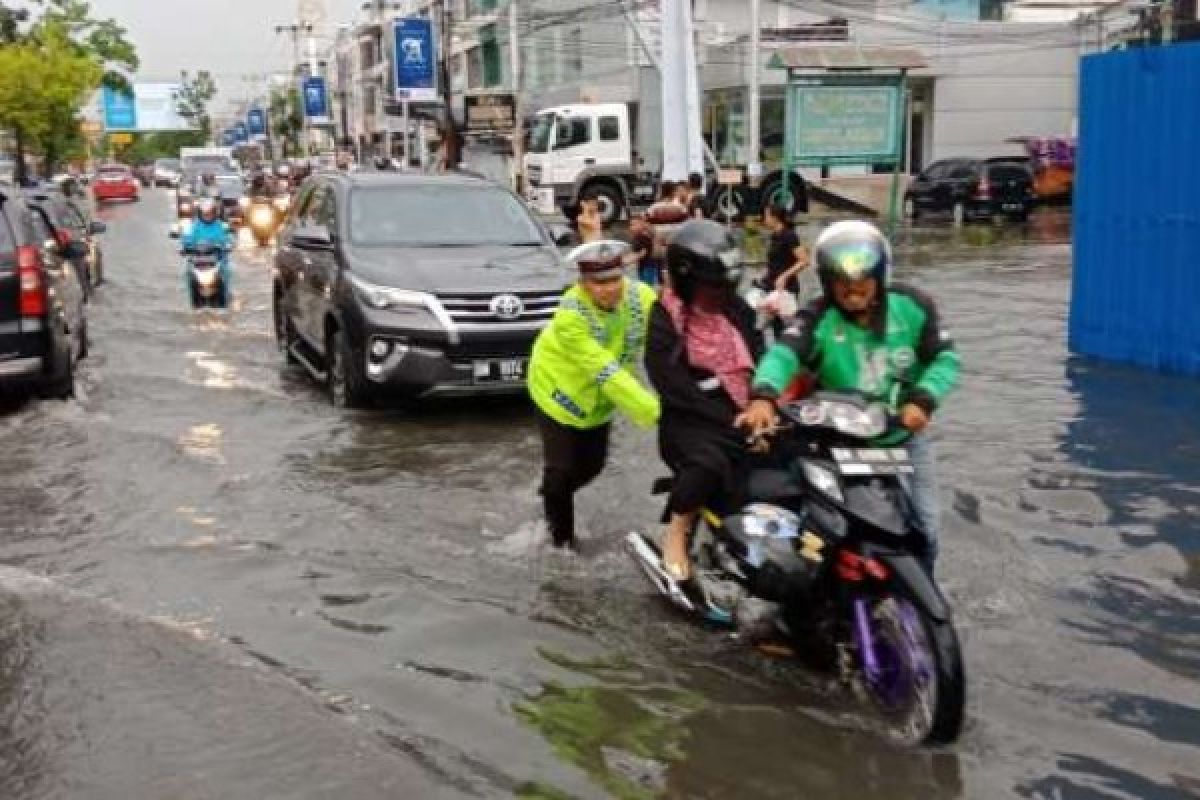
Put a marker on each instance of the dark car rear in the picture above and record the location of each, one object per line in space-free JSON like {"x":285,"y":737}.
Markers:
{"x":40,"y":303}
{"x":423,"y":284}
{"x":74,"y":232}
{"x":972,"y":189}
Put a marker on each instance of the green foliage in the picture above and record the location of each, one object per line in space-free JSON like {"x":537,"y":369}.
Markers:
{"x":103,"y":40}
{"x":287,"y":118}
{"x":43,"y":83}
{"x":166,"y":144}
{"x":195,"y":94}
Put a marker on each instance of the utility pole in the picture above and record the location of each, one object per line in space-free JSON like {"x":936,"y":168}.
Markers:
{"x":753,"y":130}
{"x":518,"y":135}
{"x":451,"y":143}
{"x":295,"y":29}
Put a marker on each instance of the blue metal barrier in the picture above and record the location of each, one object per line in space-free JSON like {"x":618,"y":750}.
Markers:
{"x":1136,"y":288}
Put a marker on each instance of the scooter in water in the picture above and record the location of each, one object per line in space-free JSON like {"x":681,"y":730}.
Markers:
{"x":206,"y":284}
{"x":823,"y":556}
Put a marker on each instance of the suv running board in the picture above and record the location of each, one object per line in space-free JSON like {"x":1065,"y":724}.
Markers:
{"x":298,"y":353}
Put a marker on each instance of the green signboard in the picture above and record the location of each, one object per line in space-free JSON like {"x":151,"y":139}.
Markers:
{"x":835,"y":122}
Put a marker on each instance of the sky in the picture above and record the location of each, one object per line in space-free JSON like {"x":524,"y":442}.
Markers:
{"x":233,"y":39}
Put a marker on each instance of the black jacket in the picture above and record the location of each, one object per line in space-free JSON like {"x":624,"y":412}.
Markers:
{"x":696,"y":426}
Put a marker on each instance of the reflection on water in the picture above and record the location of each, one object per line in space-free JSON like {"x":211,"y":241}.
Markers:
{"x":623,"y":732}
{"x":24,"y":751}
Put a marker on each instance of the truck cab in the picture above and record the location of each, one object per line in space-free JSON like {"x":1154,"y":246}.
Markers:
{"x":586,"y":151}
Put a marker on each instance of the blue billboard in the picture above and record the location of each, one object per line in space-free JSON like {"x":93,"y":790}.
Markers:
{"x":120,"y":110}
{"x":316,"y":99}
{"x":256,"y":122}
{"x":228,"y":137}
{"x":240,"y":134}
{"x":415,"y":60}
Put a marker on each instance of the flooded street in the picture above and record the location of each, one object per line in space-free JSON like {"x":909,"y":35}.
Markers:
{"x":216,"y":585}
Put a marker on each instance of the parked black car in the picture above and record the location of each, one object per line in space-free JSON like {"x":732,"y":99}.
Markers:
{"x":75,"y":232}
{"x":972,"y":189}
{"x":43,"y":331}
{"x":416,"y":283}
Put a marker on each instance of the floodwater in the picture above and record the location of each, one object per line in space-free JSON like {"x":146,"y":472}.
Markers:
{"x":216,"y":586}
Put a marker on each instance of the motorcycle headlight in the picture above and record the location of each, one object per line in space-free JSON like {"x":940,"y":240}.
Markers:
{"x":262,"y":216}
{"x":863,"y":423}
{"x":283,"y":203}
{"x":824,"y":481}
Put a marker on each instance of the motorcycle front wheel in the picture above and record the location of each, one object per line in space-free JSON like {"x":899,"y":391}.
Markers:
{"x":918,"y":684}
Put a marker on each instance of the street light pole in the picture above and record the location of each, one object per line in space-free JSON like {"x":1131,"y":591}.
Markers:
{"x":753,"y":130}
{"x":518,"y":134}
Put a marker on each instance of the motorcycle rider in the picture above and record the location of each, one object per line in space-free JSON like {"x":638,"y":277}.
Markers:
{"x":885,"y":341}
{"x":582,"y":372}
{"x":700,"y":358}
{"x":207,"y":229}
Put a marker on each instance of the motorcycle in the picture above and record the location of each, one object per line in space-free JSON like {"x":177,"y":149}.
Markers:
{"x":823,"y":553}
{"x":206,"y":285}
{"x":263,"y":216}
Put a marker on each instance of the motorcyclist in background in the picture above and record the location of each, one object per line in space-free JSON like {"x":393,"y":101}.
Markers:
{"x":207,"y":229}
{"x":883,"y":341}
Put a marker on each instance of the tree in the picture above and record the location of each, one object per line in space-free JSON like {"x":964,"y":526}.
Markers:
{"x":43,"y":84}
{"x":195,"y":93}
{"x":287,"y":118}
{"x":64,"y":30}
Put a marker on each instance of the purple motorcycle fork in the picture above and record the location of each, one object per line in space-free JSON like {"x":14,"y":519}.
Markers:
{"x":866,"y":642}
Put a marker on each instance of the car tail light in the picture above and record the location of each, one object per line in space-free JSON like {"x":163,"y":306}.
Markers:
{"x":33,"y":284}
{"x":62,"y":236}
{"x":984,"y":192}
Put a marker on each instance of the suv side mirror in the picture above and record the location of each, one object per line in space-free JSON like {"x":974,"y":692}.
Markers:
{"x":312,"y":237}
{"x":97,"y":228}
{"x":560,"y":234}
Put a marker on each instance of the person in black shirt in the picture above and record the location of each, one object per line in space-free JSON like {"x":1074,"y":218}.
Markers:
{"x":786,"y":257}
{"x":696,"y":203}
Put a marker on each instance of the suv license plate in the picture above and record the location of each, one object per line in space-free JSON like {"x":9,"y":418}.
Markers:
{"x":1013,"y":207}
{"x":504,"y":370}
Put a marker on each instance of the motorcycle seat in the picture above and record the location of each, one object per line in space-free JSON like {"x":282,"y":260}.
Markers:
{"x":772,"y":485}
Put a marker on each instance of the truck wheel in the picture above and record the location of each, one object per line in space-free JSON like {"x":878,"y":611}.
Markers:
{"x":797,"y":194}
{"x":608,"y":202}
{"x":728,"y":203}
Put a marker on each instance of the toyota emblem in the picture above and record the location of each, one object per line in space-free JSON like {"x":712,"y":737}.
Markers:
{"x":507,"y":306}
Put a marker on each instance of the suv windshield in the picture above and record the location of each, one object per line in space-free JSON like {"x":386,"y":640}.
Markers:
{"x":1001,"y":173}
{"x":422,"y":215}
{"x":539,"y":138}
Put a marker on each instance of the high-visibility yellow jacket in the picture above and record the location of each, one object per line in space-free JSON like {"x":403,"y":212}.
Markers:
{"x":580,"y":373}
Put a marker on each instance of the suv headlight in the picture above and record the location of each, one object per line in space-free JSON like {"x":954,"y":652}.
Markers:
{"x":383,"y":297}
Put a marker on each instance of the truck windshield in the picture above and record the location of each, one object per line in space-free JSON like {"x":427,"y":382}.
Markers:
{"x":539,"y":139}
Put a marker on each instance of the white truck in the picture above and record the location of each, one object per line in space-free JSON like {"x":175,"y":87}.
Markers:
{"x":596,"y":151}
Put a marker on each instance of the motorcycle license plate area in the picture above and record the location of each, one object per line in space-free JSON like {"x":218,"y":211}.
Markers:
{"x":501,"y":370}
{"x":869,"y":461}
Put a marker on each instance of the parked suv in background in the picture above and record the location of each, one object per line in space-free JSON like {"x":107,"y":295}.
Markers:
{"x":42,"y":328}
{"x":421,"y":284}
{"x":972,"y":189}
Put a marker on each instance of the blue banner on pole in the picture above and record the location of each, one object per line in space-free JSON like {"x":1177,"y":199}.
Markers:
{"x":120,"y":111}
{"x":256,"y":122}
{"x":415,"y":59}
{"x":228,"y":137}
{"x":316,"y":100}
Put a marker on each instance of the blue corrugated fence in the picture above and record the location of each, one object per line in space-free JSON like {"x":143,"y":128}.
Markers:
{"x":1136,"y":286}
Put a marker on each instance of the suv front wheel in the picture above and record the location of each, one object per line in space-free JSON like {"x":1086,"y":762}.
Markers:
{"x":347,"y":382}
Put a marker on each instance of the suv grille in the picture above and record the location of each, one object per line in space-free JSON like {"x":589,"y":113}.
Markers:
{"x":498,"y":308}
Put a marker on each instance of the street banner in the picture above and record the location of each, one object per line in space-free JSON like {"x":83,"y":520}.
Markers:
{"x":256,"y":122}
{"x":316,"y":100}
{"x":228,"y":137}
{"x":415,"y":60}
{"x":150,"y":107}
{"x":240,"y":134}
{"x":490,"y":113}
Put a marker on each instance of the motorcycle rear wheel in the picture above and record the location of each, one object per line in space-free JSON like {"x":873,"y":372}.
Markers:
{"x":921,"y":687}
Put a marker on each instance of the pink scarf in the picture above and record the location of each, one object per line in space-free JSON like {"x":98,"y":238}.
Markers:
{"x":713,"y":344}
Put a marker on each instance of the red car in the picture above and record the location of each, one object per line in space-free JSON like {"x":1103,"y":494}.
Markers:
{"x":115,"y":182}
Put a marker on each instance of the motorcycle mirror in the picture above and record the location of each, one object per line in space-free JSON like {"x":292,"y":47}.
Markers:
{"x":174,"y":233}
